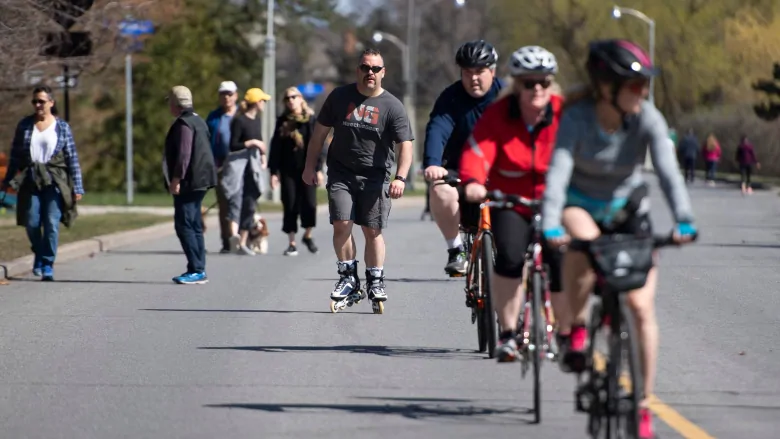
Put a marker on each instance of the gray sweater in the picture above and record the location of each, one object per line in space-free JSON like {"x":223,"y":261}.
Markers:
{"x":593,"y":169}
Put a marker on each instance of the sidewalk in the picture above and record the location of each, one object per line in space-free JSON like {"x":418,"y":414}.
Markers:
{"x":98,"y":244}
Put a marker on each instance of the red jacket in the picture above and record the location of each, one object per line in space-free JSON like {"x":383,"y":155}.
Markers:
{"x":498,"y":153}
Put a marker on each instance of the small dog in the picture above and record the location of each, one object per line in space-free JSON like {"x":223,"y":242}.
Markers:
{"x":258,"y":235}
{"x":204,"y":212}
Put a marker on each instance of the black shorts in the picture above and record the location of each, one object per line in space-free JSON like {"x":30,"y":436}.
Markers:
{"x":512,"y":234}
{"x":469,"y":212}
{"x":639,"y":225}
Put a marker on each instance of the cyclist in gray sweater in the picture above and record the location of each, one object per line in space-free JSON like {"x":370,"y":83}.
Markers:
{"x":600,"y":148}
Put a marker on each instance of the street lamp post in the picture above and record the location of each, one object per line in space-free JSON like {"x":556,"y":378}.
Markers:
{"x":617,"y":13}
{"x":410,"y":49}
{"x":408,"y":99}
{"x":269,"y":85}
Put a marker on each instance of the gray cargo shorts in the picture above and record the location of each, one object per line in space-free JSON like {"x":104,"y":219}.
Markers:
{"x":365,"y":200}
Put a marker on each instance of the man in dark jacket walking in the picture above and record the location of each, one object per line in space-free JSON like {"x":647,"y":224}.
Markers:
{"x":188,"y":166}
{"x":688,"y":150}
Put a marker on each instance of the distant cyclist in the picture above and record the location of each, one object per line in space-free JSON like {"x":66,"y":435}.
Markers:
{"x":510,"y":150}
{"x":597,"y":164}
{"x":454,"y":114}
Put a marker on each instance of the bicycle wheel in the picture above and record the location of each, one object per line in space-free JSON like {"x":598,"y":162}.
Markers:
{"x":488,"y":314}
{"x":475,"y":275}
{"x":624,"y":397}
{"x":538,"y":330}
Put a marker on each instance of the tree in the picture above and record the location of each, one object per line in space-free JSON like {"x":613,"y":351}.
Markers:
{"x":769,"y":110}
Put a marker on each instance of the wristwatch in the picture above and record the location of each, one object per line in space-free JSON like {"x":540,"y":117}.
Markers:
{"x":398,"y":177}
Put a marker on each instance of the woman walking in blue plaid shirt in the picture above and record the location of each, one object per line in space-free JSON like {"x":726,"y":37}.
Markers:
{"x":49,"y":178}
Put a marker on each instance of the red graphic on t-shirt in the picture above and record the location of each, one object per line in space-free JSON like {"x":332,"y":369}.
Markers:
{"x":363,"y":113}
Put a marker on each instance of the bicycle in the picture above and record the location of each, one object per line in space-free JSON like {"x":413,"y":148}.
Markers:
{"x":478,"y":243}
{"x":536,"y":333}
{"x":621,"y":263}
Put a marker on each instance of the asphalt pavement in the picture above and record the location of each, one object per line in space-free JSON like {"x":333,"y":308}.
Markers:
{"x":113,"y":349}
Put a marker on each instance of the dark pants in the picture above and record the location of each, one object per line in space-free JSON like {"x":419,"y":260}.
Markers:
{"x":249,"y":196}
{"x":298,"y":199}
{"x":689,"y":164}
{"x":224,"y":222}
{"x":44,"y":213}
{"x":746,"y":171}
{"x":189,"y":229}
{"x":711,"y":170}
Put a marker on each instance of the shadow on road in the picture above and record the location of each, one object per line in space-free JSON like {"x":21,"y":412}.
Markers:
{"x":744,"y":244}
{"x":271,"y":311}
{"x":401,"y":279}
{"x":91,"y":281}
{"x":410,"y":411}
{"x":382,"y":351}
{"x":145,"y":252}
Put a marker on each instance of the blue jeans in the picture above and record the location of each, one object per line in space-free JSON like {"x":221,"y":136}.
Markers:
{"x":711,"y":166}
{"x":189,"y":229}
{"x":45,"y":212}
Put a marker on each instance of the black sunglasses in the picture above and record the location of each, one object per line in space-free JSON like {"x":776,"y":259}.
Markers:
{"x":530,"y":84}
{"x":365,"y":68}
{"x":38,"y":101}
{"x":290,"y":98}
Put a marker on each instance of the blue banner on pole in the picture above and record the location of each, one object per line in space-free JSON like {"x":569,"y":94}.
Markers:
{"x":311,"y":90}
{"x":136,"y":27}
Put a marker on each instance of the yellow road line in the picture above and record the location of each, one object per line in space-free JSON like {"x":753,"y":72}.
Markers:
{"x":670,"y":416}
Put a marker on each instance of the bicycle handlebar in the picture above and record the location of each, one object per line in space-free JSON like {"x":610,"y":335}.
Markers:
{"x":500,"y":200}
{"x":450,"y":180}
{"x":659,"y":241}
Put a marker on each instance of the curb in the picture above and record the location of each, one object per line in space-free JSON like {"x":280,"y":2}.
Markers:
{"x":100,"y":244}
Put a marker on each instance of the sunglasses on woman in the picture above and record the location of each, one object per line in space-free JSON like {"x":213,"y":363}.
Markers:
{"x":638,"y":86}
{"x":291,"y":98}
{"x":530,"y":84}
{"x":365,"y":68}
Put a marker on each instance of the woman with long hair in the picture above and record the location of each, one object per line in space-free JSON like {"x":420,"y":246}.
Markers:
{"x":243,"y":168}
{"x":286,"y":162}
{"x":711,"y":152}
{"x":49,"y":184}
{"x":595,"y":171}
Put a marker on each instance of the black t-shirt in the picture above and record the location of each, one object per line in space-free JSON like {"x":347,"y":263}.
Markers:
{"x":242,"y":129}
{"x":365,"y":130}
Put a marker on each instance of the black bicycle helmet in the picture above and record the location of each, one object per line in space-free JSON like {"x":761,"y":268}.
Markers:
{"x":477,"y":53}
{"x":618,"y":61}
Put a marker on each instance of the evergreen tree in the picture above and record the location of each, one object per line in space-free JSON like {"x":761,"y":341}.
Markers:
{"x":769,"y":110}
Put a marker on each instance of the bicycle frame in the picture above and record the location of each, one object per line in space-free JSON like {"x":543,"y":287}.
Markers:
{"x":535,"y":264}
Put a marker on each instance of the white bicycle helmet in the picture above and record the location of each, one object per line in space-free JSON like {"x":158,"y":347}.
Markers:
{"x":530,"y":60}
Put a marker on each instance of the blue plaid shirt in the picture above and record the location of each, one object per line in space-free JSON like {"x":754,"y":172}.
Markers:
{"x":20,"y":150}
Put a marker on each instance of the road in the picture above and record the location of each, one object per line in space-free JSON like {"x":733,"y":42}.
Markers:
{"x":115,"y":350}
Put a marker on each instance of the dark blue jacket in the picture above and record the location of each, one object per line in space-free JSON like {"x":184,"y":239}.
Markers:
{"x":453,"y":117}
{"x":688,"y":147}
{"x":212,"y":121}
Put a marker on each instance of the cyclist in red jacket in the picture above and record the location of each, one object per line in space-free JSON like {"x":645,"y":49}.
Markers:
{"x":509,"y":150}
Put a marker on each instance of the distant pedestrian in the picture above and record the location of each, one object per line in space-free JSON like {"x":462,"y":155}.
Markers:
{"x":688,"y":151}
{"x":49,"y":184}
{"x":711,"y":152}
{"x":286,"y":162}
{"x":242,"y":173}
{"x":746,"y":157}
{"x":219,"y":127}
{"x":188,"y":166}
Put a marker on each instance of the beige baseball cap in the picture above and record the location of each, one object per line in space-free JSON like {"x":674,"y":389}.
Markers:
{"x":181,"y":95}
